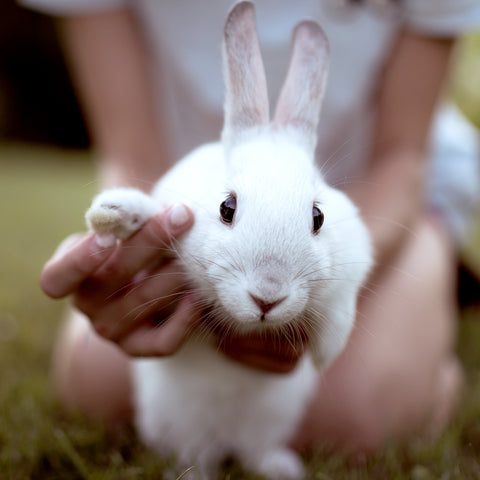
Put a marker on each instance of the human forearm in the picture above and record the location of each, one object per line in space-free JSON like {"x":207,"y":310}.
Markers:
{"x":391,"y":200}
{"x":108,"y":61}
{"x":391,"y":194}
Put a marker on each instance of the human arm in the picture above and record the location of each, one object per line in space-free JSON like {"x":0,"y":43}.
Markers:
{"x":107,"y":53}
{"x":391,"y":195}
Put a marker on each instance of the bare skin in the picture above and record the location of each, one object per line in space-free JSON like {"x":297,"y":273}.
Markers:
{"x":376,"y":389}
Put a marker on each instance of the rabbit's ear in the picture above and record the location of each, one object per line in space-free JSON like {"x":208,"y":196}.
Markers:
{"x":246,"y":98}
{"x":302,"y":93}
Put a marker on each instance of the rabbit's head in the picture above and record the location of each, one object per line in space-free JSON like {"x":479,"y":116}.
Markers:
{"x":288,"y":251}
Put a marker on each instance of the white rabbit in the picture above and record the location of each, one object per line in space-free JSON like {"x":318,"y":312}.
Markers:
{"x":261,"y":257}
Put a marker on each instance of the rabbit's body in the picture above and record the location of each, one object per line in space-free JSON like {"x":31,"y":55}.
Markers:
{"x":259,"y":257}
{"x":198,"y":405}
{"x":203,"y":408}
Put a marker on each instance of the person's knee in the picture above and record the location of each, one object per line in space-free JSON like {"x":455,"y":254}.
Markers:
{"x":389,"y":405}
{"x":89,"y":375}
{"x":364,"y":432}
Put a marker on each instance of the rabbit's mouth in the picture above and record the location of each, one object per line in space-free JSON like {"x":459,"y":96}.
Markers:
{"x":222,"y":324}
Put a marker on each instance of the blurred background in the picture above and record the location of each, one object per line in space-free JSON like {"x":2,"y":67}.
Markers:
{"x":36,"y":99}
{"x":47,"y":179}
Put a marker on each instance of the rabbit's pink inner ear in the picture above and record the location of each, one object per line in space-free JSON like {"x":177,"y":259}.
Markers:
{"x":246,"y":98}
{"x":302,"y":93}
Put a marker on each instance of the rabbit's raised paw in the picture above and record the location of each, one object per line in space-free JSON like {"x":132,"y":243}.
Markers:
{"x":118,"y":213}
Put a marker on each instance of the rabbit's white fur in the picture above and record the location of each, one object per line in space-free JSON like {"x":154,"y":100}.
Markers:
{"x":198,"y":405}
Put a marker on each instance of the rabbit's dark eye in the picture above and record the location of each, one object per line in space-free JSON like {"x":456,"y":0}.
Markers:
{"x":317,"y":219}
{"x":227,"y":209}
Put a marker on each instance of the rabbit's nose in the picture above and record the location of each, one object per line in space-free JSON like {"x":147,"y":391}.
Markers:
{"x":264,"y":304}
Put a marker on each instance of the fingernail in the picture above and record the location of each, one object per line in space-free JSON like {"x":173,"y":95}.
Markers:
{"x":101,"y":243}
{"x":178,"y":215}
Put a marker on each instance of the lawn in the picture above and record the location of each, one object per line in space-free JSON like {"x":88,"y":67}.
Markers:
{"x":43,"y":194}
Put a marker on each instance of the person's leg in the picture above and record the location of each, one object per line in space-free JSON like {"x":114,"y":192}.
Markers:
{"x":398,"y":373}
{"x":90,"y":374}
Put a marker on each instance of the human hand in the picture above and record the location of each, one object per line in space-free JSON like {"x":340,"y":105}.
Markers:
{"x":264,"y":350}
{"x":125,"y":288}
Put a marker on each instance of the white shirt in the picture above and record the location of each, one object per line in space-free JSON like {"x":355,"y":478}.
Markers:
{"x":185,"y":39}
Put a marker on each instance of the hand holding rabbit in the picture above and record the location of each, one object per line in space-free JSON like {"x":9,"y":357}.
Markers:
{"x":80,"y":262}
{"x":104,"y":283}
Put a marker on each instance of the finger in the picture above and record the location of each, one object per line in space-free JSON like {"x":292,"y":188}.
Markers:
{"x":150,"y":245}
{"x":262,"y":361}
{"x":113,"y":315}
{"x":166,"y":339}
{"x":68,"y":244}
{"x":77,"y":258}
{"x":263,"y":352}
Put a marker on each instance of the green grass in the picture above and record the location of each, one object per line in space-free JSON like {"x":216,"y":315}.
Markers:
{"x":466,"y":81}
{"x":43,"y":194}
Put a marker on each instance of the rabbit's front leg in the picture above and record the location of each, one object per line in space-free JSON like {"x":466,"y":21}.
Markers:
{"x":119,"y":213}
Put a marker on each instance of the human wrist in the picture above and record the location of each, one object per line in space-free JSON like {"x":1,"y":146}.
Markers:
{"x":139,"y":175}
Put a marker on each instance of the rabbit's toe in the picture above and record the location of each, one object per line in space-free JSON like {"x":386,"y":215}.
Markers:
{"x":119,"y":213}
